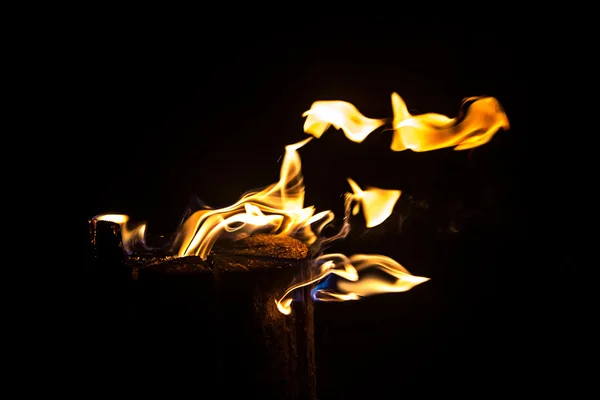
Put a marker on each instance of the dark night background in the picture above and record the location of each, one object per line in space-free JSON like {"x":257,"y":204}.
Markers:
{"x":170,"y":115}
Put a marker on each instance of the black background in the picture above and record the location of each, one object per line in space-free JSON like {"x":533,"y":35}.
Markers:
{"x":171,"y":114}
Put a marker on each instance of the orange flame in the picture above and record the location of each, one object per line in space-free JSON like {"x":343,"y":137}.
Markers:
{"x":479,"y":119}
{"x":425,"y":132}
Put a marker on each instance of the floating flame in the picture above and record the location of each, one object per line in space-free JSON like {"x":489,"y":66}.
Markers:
{"x":479,"y":119}
{"x":478,"y":124}
{"x":377,"y":204}
{"x":356,"y":283}
{"x":341,"y":115}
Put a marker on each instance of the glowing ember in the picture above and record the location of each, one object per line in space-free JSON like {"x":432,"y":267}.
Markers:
{"x":279,"y":208}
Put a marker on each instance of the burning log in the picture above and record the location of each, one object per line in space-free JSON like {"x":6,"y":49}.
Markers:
{"x":220,"y":315}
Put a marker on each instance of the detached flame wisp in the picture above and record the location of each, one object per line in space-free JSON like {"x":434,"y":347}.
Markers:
{"x":279,"y":208}
{"x":377,"y":204}
{"x":342,"y":115}
{"x":478,"y":120}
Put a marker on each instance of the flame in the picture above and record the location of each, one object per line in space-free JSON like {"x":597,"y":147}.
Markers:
{"x":357,"y":281}
{"x":128,"y":236}
{"x":377,"y":204}
{"x":116,"y":218}
{"x":479,"y":119}
{"x":278,"y":208}
{"x":341,"y":115}
{"x":368,"y":285}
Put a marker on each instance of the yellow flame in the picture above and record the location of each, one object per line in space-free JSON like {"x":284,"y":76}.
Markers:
{"x":278,"y":208}
{"x":479,"y":119}
{"x":377,"y":204}
{"x":341,"y":115}
{"x":128,"y":236}
{"x":425,"y":132}
{"x":116,"y":218}
{"x":356,"y":282}
{"x":370,"y":285}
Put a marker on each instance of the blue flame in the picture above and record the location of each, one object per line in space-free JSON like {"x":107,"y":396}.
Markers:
{"x":330,"y":282}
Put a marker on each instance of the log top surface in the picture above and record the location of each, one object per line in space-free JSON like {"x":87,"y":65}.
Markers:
{"x":259,"y":251}
{"x":265,"y":245}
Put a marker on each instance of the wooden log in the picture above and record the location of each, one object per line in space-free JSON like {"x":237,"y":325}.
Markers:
{"x":217,"y":321}
{"x":266,"y":354}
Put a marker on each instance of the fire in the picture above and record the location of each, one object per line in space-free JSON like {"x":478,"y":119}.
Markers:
{"x":341,"y":115}
{"x":279,"y":208}
{"x":481,"y":118}
{"x":478,"y":120}
{"x":377,"y":204}
{"x":365,"y":284}
{"x":357,"y":278}
{"x":128,"y":236}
